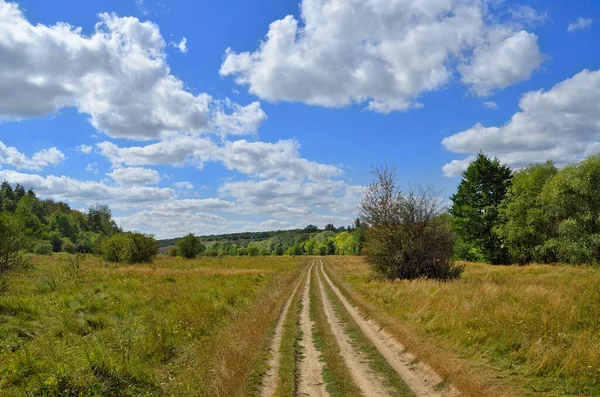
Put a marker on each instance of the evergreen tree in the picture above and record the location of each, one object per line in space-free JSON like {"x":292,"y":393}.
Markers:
{"x":475,"y":209}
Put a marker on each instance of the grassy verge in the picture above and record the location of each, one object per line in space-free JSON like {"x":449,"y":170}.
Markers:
{"x":290,"y":348}
{"x":499,"y":330}
{"x":376,"y":361}
{"x":335,"y":373}
{"x":95,"y":329}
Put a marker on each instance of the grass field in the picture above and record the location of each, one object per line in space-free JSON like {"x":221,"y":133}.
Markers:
{"x":175,"y":327}
{"x":500,"y":330}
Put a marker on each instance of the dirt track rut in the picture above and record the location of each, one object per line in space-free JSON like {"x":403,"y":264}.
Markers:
{"x":419,"y":377}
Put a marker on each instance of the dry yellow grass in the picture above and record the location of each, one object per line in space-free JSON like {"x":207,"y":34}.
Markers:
{"x":498,"y":330}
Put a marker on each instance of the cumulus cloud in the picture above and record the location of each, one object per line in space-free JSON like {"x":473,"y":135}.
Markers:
{"x":119,"y":75}
{"x":505,"y":59}
{"x":72,"y":190}
{"x":457,"y":167}
{"x":135,"y":176}
{"x":383,"y":53}
{"x":330,"y":195}
{"x":281,"y":159}
{"x":85,"y":149}
{"x":561,"y":124}
{"x":273,"y":160}
{"x":177,"y":152}
{"x":580,"y":24}
{"x":44,"y":158}
{"x":183,"y":185}
{"x":182,"y":45}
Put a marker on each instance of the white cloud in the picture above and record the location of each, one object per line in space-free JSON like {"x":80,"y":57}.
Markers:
{"x":274,"y":224}
{"x":85,"y":149}
{"x":528,"y":15}
{"x":561,"y":124}
{"x":207,"y":204}
{"x":263,"y":159}
{"x":183,"y":185}
{"x":491,"y":105}
{"x":176,"y":152}
{"x":580,"y":24}
{"x":44,"y":158}
{"x":71,"y":190}
{"x":141,"y":7}
{"x":456,"y":167}
{"x":505,"y":59}
{"x":330,"y":195}
{"x":92,"y":167}
{"x":182,"y":45}
{"x":135,"y":176}
{"x":273,"y":160}
{"x":382,"y":52}
{"x":118,"y":75}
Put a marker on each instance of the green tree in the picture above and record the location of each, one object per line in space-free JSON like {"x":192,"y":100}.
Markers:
{"x":189,"y":246}
{"x":99,"y":220}
{"x":129,"y":248}
{"x":11,"y":242}
{"x":571,"y":203}
{"x":253,"y":250}
{"x":475,"y":208}
{"x":526,"y":224}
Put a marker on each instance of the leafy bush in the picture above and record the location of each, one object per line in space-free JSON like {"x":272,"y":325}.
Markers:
{"x":69,"y":247}
{"x":189,"y":246}
{"x":408,"y":237}
{"x":43,"y":248}
{"x":173,"y":251}
{"x":253,"y":250}
{"x":11,"y":243}
{"x":129,"y":248}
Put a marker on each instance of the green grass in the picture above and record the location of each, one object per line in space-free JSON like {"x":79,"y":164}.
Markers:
{"x":534,"y":329}
{"x":157,"y":329}
{"x":376,"y":361}
{"x":339,"y":382}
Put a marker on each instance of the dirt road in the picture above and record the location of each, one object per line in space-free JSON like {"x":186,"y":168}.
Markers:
{"x":367,"y":377}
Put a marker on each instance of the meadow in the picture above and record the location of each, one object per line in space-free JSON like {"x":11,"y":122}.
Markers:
{"x":499,"y":330}
{"x":76,"y":325}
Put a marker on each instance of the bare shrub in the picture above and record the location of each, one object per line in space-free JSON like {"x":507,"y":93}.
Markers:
{"x":408,"y":234}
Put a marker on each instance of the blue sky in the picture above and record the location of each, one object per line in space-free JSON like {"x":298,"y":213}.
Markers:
{"x":210,"y":117}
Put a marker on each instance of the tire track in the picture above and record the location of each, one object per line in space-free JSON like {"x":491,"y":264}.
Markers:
{"x":418,"y":376}
{"x":271,"y":377}
{"x":311,"y":368}
{"x":369,"y":384}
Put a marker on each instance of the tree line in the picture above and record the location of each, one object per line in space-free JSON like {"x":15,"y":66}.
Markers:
{"x":308,"y":241}
{"x":30,"y":224}
{"x":539,"y":213}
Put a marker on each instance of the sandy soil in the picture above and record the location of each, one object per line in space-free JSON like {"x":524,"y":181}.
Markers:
{"x":365,"y":379}
{"x":418,"y":376}
{"x":270,"y":379}
{"x":311,"y":368}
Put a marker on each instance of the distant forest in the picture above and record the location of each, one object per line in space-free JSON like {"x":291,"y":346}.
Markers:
{"x":311,"y":241}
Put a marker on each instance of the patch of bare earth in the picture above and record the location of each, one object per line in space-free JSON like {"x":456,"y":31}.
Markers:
{"x":271,"y":377}
{"x":310,"y":367}
{"x":365,"y":379}
{"x":421,"y":378}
